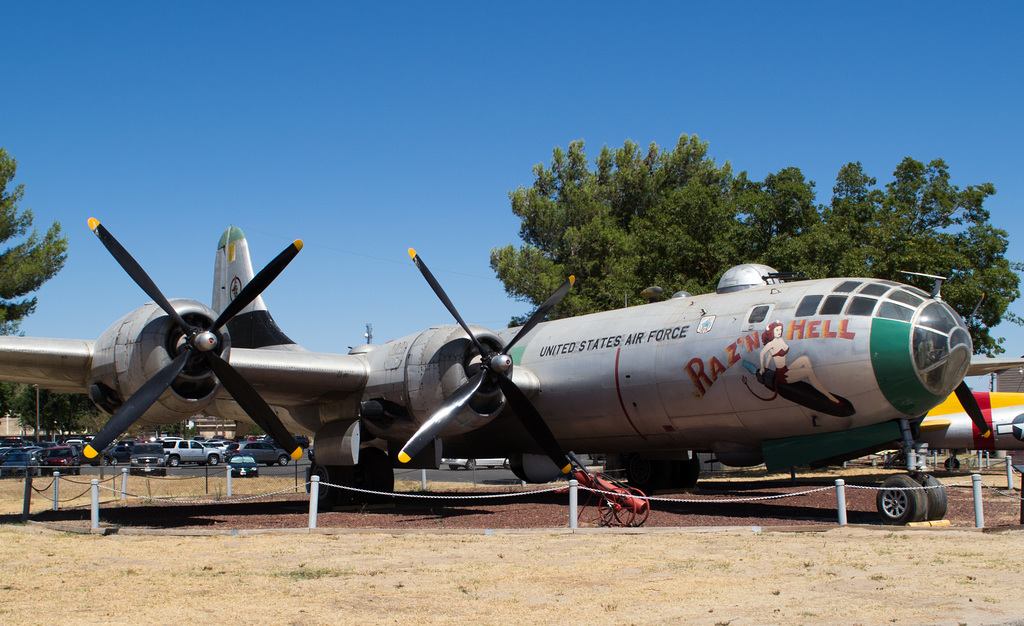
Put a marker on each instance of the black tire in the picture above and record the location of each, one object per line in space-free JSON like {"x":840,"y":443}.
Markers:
{"x":471,"y":464}
{"x":173,"y":461}
{"x":901,"y":501}
{"x":935,"y":496}
{"x":213,"y":459}
{"x":327,"y":497}
{"x":283,"y":459}
{"x":374,"y":473}
{"x":952,"y":463}
{"x":685,"y":474}
{"x":647,"y":475}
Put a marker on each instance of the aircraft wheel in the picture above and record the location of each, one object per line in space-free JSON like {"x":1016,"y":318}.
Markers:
{"x":901,"y":500}
{"x":645,"y":474}
{"x":327,"y":497}
{"x":935,"y":496}
{"x":686,"y":473}
{"x":374,"y":473}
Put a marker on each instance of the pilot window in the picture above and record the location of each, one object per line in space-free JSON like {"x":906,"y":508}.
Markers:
{"x":874,"y":289}
{"x":808,"y":306}
{"x":847,"y":286}
{"x":905,"y":298}
{"x":833,"y":305}
{"x":860,"y":305}
{"x":892,"y":311}
{"x":758,"y":314}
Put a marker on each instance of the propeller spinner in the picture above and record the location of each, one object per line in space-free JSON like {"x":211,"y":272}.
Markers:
{"x":198,"y":343}
{"x":495,"y":367}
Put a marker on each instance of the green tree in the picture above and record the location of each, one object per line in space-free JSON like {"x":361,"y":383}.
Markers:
{"x":30,"y":260}
{"x":677,"y":220}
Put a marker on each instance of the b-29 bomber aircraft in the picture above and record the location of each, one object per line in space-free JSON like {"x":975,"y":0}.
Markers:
{"x":764,"y":370}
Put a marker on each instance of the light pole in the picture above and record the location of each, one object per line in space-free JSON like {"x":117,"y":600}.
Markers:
{"x":37,"y":412}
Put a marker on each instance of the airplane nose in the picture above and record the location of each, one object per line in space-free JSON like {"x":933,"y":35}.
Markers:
{"x":942,"y":348}
{"x":920,"y":359}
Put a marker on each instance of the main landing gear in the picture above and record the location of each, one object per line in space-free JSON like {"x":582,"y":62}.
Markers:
{"x":913,"y":497}
{"x":372,"y":473}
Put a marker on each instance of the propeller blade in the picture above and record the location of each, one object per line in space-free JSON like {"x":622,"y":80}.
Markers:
{"x":542,"y":311}
{"x":970,"y":404}
{"x":443,"y":416}
{"x":534,"y":423}
{"x":255,"y":287}
{"x":136,"y":405}
{"x":253,"y":404}
{"x":439,"y":292}
{"x":139,"y":275}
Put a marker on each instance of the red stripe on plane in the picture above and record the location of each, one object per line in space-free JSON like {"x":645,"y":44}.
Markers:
{"x":983,"y":443}
{"x":618,"y":391}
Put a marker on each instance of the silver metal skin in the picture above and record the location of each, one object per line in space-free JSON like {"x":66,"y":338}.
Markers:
{"x":667,"y":377}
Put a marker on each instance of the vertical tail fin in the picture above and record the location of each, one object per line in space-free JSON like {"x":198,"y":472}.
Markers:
{"x":253,"y":327}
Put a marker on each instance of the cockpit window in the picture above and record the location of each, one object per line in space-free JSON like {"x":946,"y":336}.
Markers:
{"x":874,"y":289}
{"x":833,"y":305}
{"x":860,"y":305}
{"x":808,"y":306}
{"x":894,"y":311}
{"x":942,"y":348}
{"x":937,"y":317}
{"x":906,"y":298}
{"x":847,"y":286}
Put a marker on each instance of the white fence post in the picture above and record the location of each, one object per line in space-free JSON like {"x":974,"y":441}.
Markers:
{"x":841,"y":500}
{"x":227,"y":471}
{"x":314,"y":499}
{"x":573,"y":502}
{"x":56,"y":489}
{"x":94,"y":488}
{"x":1009,"y":472}
{"x":979,"y":513}
{"x":124,"y":484}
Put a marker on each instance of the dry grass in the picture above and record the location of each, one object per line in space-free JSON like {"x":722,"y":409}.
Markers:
{"x":844,"y":576}
{"x":848,"y":575}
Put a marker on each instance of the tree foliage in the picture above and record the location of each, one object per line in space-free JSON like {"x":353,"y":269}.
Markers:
{"x":30,"y":260}
{"x":676,"y":219}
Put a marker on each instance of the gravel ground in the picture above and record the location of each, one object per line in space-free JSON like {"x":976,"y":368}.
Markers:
{"x":454,"y":510}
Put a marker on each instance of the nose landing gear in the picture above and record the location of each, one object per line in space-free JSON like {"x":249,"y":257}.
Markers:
{"x":913,"y":497}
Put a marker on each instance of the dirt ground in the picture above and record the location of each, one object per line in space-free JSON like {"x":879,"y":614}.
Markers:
{"x":777,"y":561}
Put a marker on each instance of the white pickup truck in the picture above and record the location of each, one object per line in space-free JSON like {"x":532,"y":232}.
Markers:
{"x":180,"y":451}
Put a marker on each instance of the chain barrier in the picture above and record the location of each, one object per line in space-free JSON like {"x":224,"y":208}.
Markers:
{"x":172,"y":500}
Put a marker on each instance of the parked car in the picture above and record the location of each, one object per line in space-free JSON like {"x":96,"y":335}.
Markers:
{"x":120,"y":454}
{"x":180,"y":451}
{"x":243,"y":465}
{"x":262,"y":451}
{"x":148,"y":458}
{"x":63,"y":459}
{"x":471,"y":464}
{"x":19,"y":462}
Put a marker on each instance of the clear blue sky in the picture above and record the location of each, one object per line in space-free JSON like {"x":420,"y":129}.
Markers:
{"x":366,"y":130}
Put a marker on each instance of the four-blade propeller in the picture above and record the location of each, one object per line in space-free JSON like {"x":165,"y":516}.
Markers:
{"x":199,"y":343}
{"x":496,"y":366}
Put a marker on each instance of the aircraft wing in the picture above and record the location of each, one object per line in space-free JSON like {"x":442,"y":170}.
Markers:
{"x":58,"y":364}
{"x":982,"y":365}
{"x":300,"y":377}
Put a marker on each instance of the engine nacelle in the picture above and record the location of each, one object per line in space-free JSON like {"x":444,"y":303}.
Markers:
{"x":142,"y":343}
{"x":413,"y":375}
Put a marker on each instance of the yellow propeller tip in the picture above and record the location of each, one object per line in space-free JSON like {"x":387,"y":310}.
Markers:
{"x":988,"y":433}
{"x":567,"y":468}
{"x":298,"y":244}
{"x":403,"y":457}
{"x":93,"y":223}
{"x":297,"y":454}
{"x":572,"y":279}
{"x":90,"y":452}
{"x":412,"y":254}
